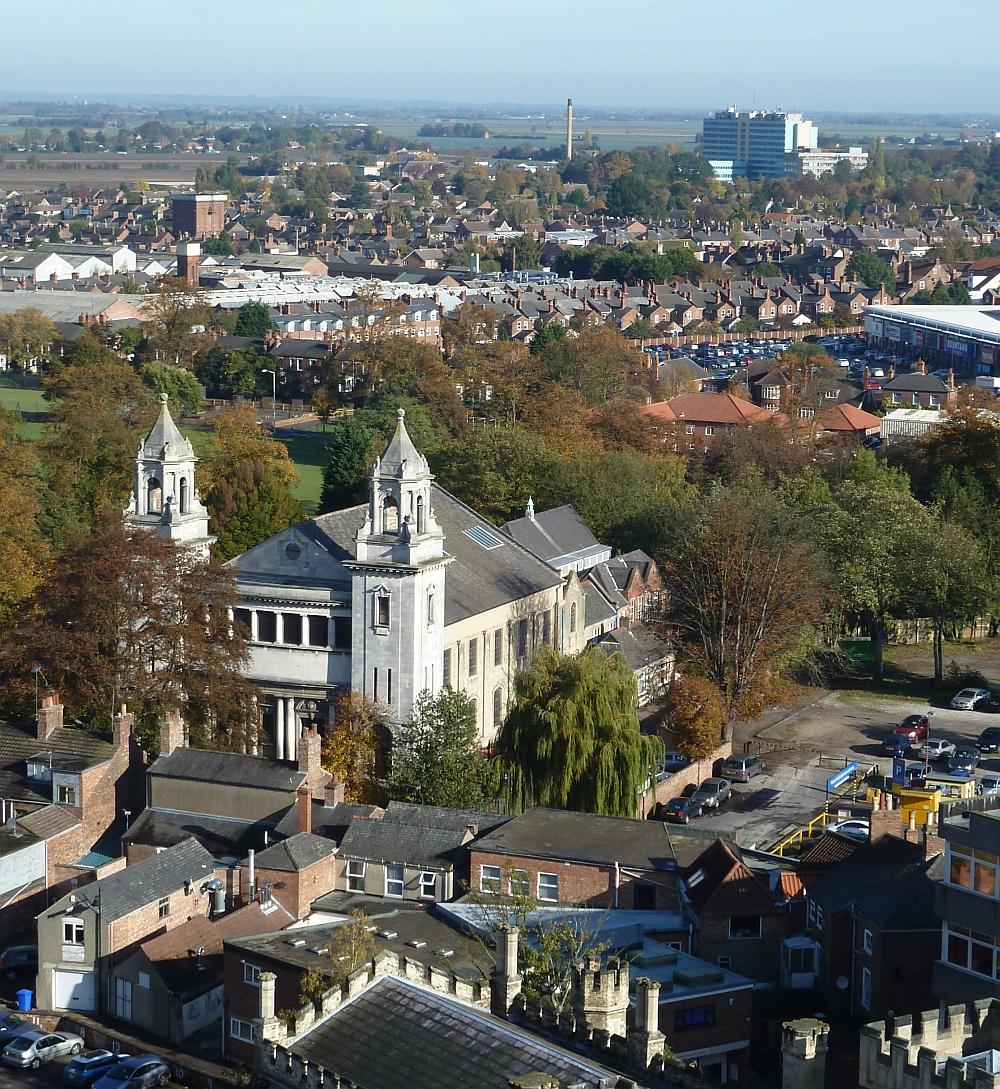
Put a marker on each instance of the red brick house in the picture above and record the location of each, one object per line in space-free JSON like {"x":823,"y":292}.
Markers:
{"x":693,"y":420}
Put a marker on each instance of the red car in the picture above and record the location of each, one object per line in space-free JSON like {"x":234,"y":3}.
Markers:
{"x":915,"y":728}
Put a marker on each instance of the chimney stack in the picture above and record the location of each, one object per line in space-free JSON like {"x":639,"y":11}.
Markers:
{"x":303,"y":808}
{"x":121,"y":727}
{"x":569,"y":128}
{"x":645,"y":1041}
{"x":505,"y":981}
{"x":50,"y":716}
{"x":310,"y":753}
{"x":173,"y":733}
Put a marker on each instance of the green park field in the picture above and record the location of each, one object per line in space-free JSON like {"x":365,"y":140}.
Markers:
{"x":309,"y":455}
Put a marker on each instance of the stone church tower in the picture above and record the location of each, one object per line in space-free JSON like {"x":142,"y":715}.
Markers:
{"x":164,"y":498}
{"x":398,"y":583}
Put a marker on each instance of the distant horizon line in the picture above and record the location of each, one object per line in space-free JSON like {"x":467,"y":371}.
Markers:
{"x":147,"y":99}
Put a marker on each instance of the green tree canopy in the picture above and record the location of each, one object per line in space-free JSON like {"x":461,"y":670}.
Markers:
{"x":436,"y":759}
{"x":180,"y":386}
{"x":345,"y":475}
{"x":253,"y":319}
{"x":571,"y":738}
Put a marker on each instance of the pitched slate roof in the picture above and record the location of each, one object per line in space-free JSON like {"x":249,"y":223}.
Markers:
{"x":439,"y":816}
{"x":637,"y":645}
{"x":17,"y":743}
{"x":552,"y":533}
{"x":478,"y":580}
{"x":916,"y":383}
{"x":231,"y":768}
{"x":379,"y":841}
{"x":299,"y":852}
{"x":154,"y":877}
{"x":398,"y":1035}
{"x":49,"y":821}
{"x":587,"y":837}
{"x":222,"y":837}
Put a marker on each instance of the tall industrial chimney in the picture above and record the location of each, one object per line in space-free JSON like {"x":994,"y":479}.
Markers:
{"x":569,"y":128}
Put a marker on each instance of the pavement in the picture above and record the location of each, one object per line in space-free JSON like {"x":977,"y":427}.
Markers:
{"x":45,"y":1077}
{"x":813,"y":742}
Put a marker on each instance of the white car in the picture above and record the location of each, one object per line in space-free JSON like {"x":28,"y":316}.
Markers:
{"x":853,"y":829}
{"x":936,"y":749}
{"x":967,"y":699}
{"x":989,"y":784}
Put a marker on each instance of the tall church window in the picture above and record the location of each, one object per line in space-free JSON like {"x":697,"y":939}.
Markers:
{"x":154,"y":495}
{"x":184,"y":495}
{"x":497,"y":708}
{"x":572,"y":618}
{"x":390,"y":515}
{"x":382,"y":610}
{"x":420,"y":514}
{"x":430,"y":607}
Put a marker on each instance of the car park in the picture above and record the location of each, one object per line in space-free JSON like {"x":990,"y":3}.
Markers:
{"x":11,"y":1025}
{"x":853,"y":828}
{"x":893,"y":745}
{"x":968,"y":698}
{"x":712,"y":793}
{"x":989,"y":739}
{"x":741,"y":769}
{"x":673,"y":761}
{"x":937,"y":749}
{"x":37,"y":1047}
{"x":680,"y":810}
{"x":19,"y":960}
{"x":914,"y":728}
{"x":964,"y":761}
{"x":85,"y":1069}
{"x":138,"y":1072}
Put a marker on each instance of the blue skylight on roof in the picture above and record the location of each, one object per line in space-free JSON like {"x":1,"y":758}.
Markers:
{"x":485,"y":538}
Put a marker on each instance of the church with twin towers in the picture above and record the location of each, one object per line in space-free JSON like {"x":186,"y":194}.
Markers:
{"x":404,"y":594}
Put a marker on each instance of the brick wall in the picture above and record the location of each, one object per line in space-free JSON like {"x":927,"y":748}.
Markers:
{"x":674,"y":785}
{"x":299,"y":889}
{"x":242,"y":998}
{"x":756,"y":958}
{"x":579,"y":883}
{"x":732,"y":1024}
{"x":126,"y":932}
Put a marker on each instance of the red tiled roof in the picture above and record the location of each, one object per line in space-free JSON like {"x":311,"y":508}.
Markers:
{"x":714,"y":408}
{"x":848,"y":418}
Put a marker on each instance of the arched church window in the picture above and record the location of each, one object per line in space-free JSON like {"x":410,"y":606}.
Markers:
{"x":420,"y":514}
{"x":184,"y":495}
{"x":430,"y":607}
{"x":154,"y":495}
{"x":572,"y":618}
{"x":390,"y":515}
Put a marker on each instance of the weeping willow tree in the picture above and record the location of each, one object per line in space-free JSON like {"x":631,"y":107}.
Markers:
{"x":571,"y":739}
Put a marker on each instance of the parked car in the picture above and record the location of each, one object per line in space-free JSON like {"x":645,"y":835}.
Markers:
{"x":86,"y":1069}
{"x":19,"y":960}
{"x":894,"y":746}
{"x":138,"y":1072}
{"x":11,"y":1025}
{"x":741,"y":769}
{"x":913,"y":773}
{"x":989,"y":784}
{"x":963,"y":762}
{"x":712,"y":793}
{"x":852,"y":828}
{"x":914,"y":728}
{"x":968,"y":698}
{"x":937,"y":749}
{"x":37,"y":1047}
{"x":674,"y":761}
{"x":989,"y":739}
{"x":680,"y":810}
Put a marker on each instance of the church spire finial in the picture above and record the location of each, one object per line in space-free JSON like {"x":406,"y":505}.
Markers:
{"x":529,"y":509}
{"x":164,"y":398}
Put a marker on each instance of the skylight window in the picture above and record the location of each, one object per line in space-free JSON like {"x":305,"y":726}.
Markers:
{"x":483,"y":537}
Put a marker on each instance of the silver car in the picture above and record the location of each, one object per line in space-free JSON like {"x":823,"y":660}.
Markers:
{"x":712,"y":793}
{"x":37,"y":1047}
{"x":967,"y":699}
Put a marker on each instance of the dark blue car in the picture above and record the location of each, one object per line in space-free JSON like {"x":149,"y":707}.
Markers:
{"x":86,"y":1069}
{"x":680,"y":810}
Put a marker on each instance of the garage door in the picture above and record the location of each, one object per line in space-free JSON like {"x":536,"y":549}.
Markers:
{"x":73,"y":990}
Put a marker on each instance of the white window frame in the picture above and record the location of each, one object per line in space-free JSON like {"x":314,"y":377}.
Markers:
{"x":73,"y":927}
{"x":66,"y":795}
{"x":251,"y":974}
{"x":490,"y":883}
{"x":866,"y":988}
{"x":143,"y":981}
{"x":428,"y":878}
{"x":353,"y":875}
{"x":518,"y":882}
{"x":401,"y":882}
{"x":237,"y":1027}
{"x":555,"y":879}
{"x":868,"y":942}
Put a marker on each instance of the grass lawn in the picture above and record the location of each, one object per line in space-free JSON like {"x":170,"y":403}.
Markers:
{"x":309,"y":456}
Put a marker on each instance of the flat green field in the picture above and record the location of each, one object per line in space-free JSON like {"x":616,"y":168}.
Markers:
{"x":309,"y":456}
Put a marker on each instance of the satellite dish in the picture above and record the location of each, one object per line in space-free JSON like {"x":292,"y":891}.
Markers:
{"x":843,"y":983}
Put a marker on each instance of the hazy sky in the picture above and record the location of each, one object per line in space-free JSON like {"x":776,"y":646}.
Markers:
{"x":863,"y":55}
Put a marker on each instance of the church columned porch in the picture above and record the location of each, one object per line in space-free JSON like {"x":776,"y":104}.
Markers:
{"x":285,"y":715}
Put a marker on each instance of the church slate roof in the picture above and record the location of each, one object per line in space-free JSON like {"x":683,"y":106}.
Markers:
{"x":165,"y":431}
{"x":479,"y":578}
{"x":209,"y":766}
{"x":552,"y":533}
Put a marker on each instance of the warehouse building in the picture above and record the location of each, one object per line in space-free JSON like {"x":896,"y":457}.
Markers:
{"x":965,"y":339}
